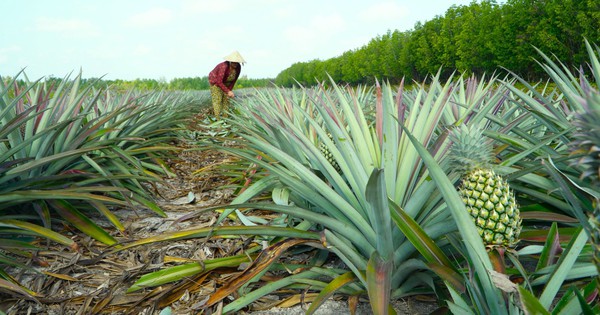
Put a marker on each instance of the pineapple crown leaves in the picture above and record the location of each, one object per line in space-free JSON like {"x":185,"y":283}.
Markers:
{"x":470,"y":150}
{"x":586,"y":139}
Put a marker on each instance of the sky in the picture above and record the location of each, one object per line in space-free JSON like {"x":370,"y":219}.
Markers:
{"x":163,"y":40}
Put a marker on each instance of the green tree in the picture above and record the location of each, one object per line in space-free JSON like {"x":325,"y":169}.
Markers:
{"x":474,"y":37}
{"x":482,"y":37}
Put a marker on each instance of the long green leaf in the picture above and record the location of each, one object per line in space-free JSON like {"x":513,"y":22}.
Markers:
{"x":49,"y":159}
{"x":531,"y":304}
{"x":329,"y":290}
{"x":270,"y":287}
{"x":181,"y":272}
{"x":38,"y":230}
{"x":225,"y":230}
{"x":81,"y":222}
{"x":438,"y":261}
{"x":10,"y":286}
{"x":551,"y":248}
{"x":564,"y":265}
{"x":379,"y":283}
{"x":379,"y":213}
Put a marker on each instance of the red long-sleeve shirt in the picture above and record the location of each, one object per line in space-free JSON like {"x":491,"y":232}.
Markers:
{"x":218,"y":76}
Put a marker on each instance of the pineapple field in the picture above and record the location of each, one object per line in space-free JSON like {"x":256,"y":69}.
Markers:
{"x":471,"y":195}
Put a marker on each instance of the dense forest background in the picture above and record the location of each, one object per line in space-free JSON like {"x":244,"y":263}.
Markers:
{"x":479,"y":38}
{"x":482,"y":37}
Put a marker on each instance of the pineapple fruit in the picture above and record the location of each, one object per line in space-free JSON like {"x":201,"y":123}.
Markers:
{"x":586,"y":145}
{"x":486,"y":195}
{"x":328,"y":155}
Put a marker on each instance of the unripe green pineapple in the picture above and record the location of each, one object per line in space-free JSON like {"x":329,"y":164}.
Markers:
{"x":586,"y":145}
{"x":486,"y":195}
{"x":328,"y":155}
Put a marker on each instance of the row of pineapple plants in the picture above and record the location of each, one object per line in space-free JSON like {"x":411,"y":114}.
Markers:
{"x":70,"y":153}
{"x":369,"y":175}
{"x":466,"y":183}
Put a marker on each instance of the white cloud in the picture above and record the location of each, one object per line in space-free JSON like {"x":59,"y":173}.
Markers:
{"x":299,"y":34}
{"x":319,"y":31}
{"x":72,"y":27}
{"x":7,"y":52}
{"x":384,"y":11}
{"x":152,"y":17}
{"x":218,"y":40}
{"x":328,"y":25}
{"x":141,"y":50}
{"x":283,"y":11}
{"x":206,"y":7}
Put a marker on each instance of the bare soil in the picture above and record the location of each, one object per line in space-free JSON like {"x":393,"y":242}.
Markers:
{"x":90,"y":281}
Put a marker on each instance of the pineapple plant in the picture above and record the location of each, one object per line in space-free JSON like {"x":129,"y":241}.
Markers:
{"x":487,"y":196}
{"x":586,"y":146}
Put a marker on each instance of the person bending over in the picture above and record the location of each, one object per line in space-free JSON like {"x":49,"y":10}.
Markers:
{"x":222,"y":79}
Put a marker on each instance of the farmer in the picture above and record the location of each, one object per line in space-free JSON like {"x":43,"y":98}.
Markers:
{"x":222,"y":79}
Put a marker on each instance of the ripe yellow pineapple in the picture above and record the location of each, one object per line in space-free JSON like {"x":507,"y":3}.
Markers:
{"x":486,"y":195}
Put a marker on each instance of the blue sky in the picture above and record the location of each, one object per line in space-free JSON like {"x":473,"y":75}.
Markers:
{"x":151,"y":39}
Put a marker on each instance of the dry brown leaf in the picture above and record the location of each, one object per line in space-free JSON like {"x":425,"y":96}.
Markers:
{"x":194,"y":284}
{"x":60,"y":276}
{"x":353,"y":304}
{"x":503,"y":282}
{"x":263,"y":261}
{"x":297,"y":299}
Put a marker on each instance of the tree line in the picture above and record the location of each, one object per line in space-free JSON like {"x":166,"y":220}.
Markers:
{"x":176,"y":84}
{"x":482,"y":37}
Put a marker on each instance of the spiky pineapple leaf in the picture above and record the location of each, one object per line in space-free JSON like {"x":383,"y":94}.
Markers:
{"x":531,"y":304}
{"x":329,"y":290}
{"x":83,"y":223}
{"x":38,"y":230}
{"x":564,"y":265}
{"x":181,"y":272}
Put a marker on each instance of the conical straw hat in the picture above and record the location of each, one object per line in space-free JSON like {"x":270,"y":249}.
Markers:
{"x":235,"y":57}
